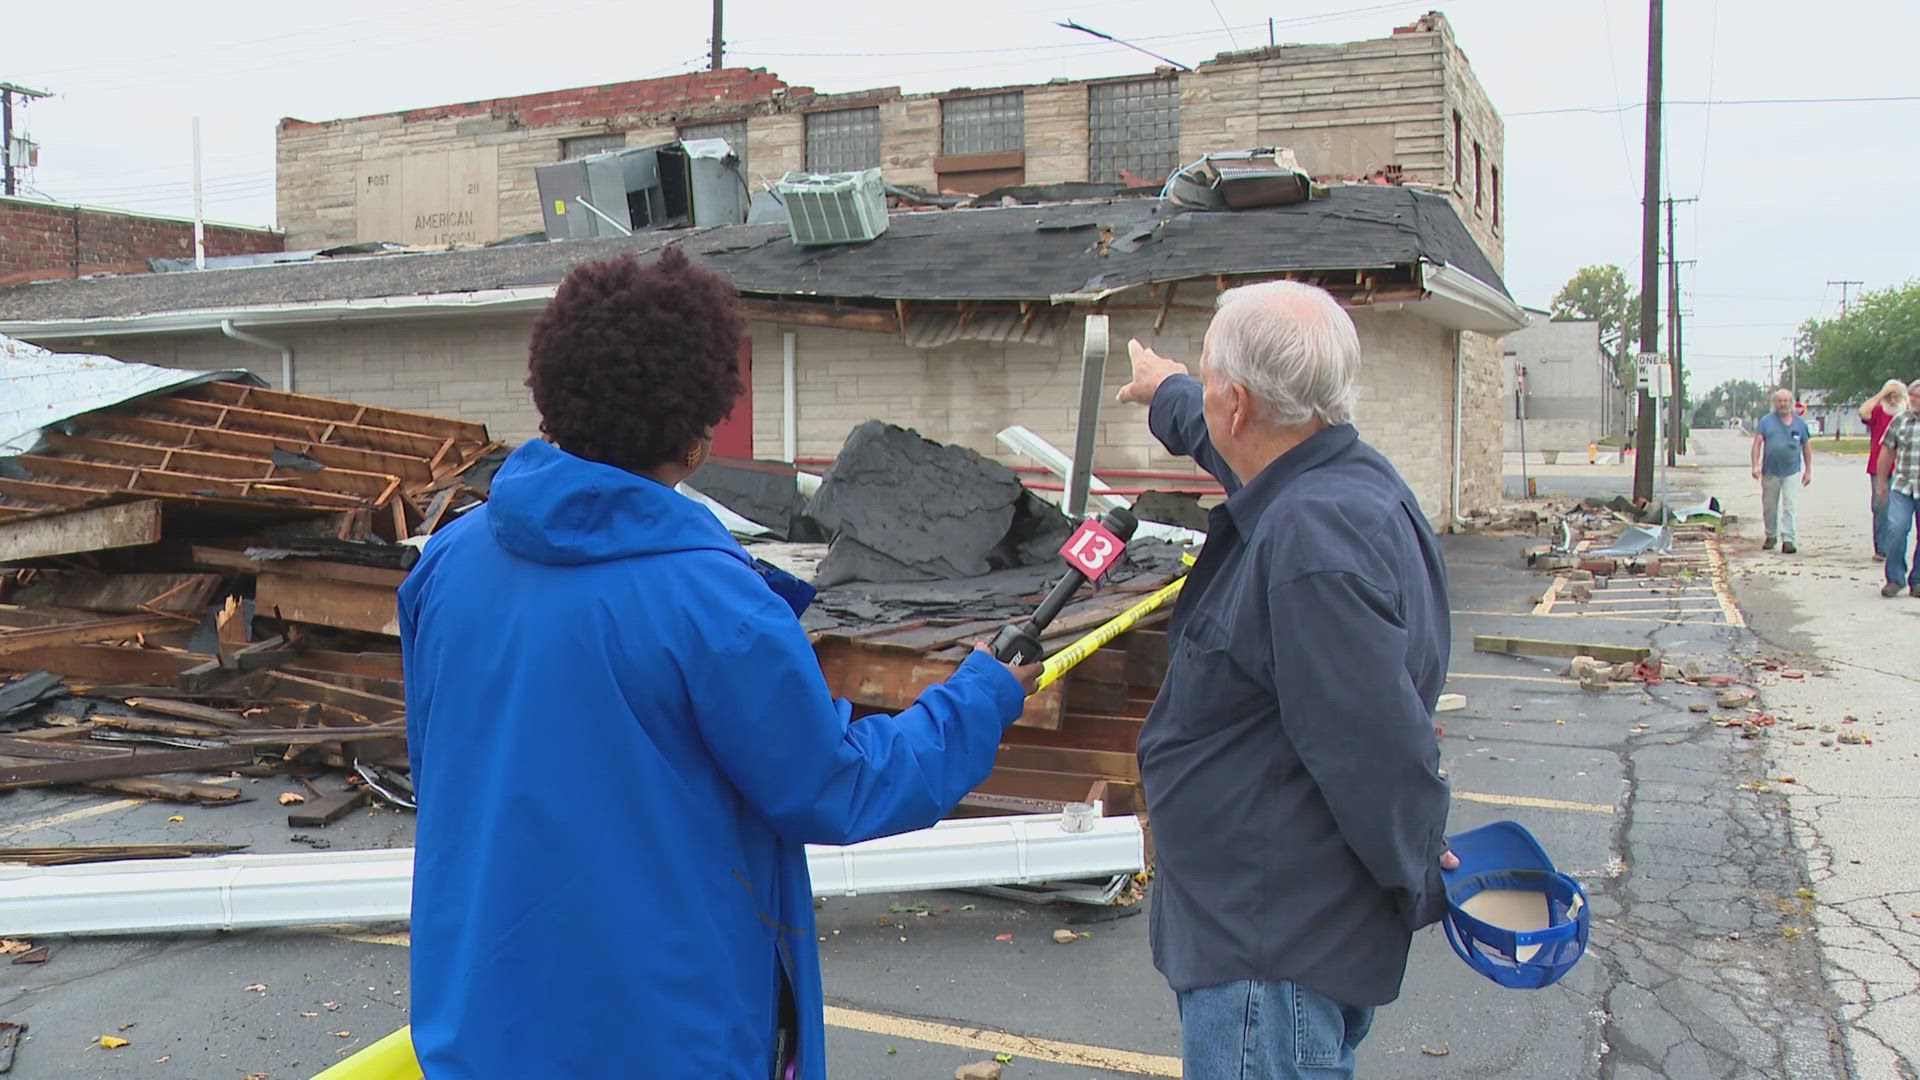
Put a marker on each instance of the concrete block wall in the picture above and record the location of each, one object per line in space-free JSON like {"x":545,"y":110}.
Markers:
{"x":966,"y":392}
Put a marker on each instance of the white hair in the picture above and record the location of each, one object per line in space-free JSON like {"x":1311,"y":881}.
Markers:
{"x":1292,"y":346}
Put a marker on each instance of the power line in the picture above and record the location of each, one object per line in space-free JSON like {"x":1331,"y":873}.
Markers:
{"x":1613,"y":72}
{"x":1718,"y":101}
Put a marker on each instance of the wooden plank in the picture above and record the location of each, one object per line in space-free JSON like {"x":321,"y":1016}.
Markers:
{"x":43,"y":495}
{"x":328,"y":810}
{"x":333,"y":409}
{"x":372,"y":665}
{"x":389,"y":688}
{"x":87,"y":633}
{"x":1122,"y":798}
{"x":181,"y":791}
{"x":174,"y":433}
{"x":343,"y":604}
{"x":99,"y":665}
{"x":142,"y":764}
{"x":892,"y":679}
{"x":315,"y":735}
{"x":187,"y":710}
{"x":1147,"y":656}
{"x":235,"y":418}
{"x":128,"y":593}
{"x":1512,"y":646}
{"x":277,"y":684}
{"x":1108,"y":764}
{"x":1119,"y":734}
{"x":226,"y":558}
{"x":100,"y":528}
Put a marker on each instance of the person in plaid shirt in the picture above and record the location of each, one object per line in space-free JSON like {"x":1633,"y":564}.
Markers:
{"x":1897,"y":482}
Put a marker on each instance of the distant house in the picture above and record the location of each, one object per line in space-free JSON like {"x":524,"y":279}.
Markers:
{"x":1562,"y":381}
{"x":1837,"y":421}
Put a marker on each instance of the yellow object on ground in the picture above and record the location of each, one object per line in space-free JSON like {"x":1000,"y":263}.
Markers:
{"x":389,"y":1059}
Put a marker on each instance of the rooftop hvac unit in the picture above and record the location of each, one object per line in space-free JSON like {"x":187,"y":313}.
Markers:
{"x":696,"y":182}
{"x":834,"y":208}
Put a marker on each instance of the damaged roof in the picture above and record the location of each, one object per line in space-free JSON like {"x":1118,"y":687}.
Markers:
{"x":1001,"y":253}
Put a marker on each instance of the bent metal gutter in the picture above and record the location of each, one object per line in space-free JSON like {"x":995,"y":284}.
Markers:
{"x":286,"y":351}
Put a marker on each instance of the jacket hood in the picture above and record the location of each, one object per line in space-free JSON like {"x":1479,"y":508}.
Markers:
{"x":552,"y":507}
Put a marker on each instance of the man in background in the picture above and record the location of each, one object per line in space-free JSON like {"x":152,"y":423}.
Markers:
{"x":1782,"y":450}
{"x":1896,"y":483}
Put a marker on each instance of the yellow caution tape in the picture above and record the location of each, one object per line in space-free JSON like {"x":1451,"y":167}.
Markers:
{"x":389,"y":1059}
{"x":1064,"y":661}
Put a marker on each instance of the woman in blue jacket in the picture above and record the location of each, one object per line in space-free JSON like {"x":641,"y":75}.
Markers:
{"x":620,"y":737}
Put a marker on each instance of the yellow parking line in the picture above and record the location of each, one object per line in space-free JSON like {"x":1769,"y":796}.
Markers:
{"x":70,"y":816}
{"x":1532,"y":803}
{"x":987,"y":1040}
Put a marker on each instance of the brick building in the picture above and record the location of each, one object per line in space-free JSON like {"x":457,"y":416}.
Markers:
{"x":41,"y":240}
{"x":992,"y":340}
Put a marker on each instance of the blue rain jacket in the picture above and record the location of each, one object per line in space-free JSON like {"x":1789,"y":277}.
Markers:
{"x":621,"y":740}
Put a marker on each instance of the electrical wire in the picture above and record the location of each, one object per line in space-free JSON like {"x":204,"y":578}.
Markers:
{"x":1613,"y":72}
{"x":1893,"y":98}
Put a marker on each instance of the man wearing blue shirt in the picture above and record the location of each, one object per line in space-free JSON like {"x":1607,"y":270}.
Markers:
{"x":1289,"y":760}
{"x":1782,"y":450}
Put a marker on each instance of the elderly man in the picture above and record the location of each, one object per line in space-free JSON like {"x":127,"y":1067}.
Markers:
{"x":1290,"y":761}
{"x":1782,"y":450}
{"x":1896,"y":484}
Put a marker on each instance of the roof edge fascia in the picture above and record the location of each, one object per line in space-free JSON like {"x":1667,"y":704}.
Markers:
{"x":292,"y":314}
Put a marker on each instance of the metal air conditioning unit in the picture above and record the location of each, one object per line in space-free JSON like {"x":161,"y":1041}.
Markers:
{"x":691,"y":182}
{"x":834,"y":208}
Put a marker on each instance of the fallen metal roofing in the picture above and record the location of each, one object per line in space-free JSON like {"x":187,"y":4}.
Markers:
{"x":39,"y":388}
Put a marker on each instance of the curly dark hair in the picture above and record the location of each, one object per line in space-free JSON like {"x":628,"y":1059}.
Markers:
{"x":631,"y":364}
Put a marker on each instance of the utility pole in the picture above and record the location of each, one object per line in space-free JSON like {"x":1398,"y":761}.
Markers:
{"x":7,"y":92}
{"x":1843,"y":292}
{"x":716,"y":35}
{"x":1649,"y":260}
{"x":1676,"y":414}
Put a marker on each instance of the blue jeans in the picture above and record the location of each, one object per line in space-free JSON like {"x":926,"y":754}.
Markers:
{"x":1250,"y":1030}
{"x":1894,"y":529}
{"x":1879,"y":514}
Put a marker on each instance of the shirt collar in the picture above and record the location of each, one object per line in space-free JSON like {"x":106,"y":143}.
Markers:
{"x":1323,"y":446}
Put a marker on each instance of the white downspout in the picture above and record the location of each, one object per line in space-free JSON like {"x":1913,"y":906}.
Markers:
{"x":789,"y":398}
{"x":286,"y":351}
{"x":1459,"y":382}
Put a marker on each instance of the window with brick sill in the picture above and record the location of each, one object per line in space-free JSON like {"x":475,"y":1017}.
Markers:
{"x":581,"y":145}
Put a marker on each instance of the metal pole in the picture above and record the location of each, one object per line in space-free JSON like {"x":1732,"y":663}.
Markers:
{"x":1093,"y":376}
{"x":6,"y":135}
{"x":716,"y":36}
{"x":1520,"y":408}
{"x":199,"y":216}
{"x":1673,"y":345}
{"x":1649,"y":255}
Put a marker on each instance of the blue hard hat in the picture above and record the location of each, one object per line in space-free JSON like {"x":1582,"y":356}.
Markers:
{"x":1503,"y":863}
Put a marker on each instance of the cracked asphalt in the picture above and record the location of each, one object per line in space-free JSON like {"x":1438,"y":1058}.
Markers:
{"x":1708,"y":959}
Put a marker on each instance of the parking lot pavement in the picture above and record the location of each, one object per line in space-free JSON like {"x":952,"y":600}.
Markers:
{"x":1695,"y":969}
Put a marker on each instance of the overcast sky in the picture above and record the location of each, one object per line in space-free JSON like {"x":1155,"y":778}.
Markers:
{"x":1792,"y":195}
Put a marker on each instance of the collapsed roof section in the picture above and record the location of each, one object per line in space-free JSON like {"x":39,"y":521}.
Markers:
{"x":1371,"y":245}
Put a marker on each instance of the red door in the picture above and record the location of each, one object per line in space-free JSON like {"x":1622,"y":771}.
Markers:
{"x":734,"y":436}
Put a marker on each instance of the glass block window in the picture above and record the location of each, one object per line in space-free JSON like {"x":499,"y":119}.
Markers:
{"x":734,"y":131}
{"x":987,"y":124}
{"x":1133,"y":125}
{"x":844,"y":140}
{"x":582,"y":145}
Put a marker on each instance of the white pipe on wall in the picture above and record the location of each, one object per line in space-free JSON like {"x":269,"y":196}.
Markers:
{"x":1459,"y":383}
{"x":789,"y":397}
{"x":286,"y":351}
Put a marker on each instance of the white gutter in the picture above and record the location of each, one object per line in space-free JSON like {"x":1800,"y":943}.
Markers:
{"x":303,"y":312}
{"x":1457,"y":299}
{"x":1459,"y":387}
{"x":235,"y":892}
{"x":286,"y":351}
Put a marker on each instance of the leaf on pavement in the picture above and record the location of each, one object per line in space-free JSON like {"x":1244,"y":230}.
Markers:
{"x":1436,"y":1051}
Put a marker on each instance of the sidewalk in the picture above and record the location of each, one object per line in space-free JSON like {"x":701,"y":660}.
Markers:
{"x":1855,"y":805}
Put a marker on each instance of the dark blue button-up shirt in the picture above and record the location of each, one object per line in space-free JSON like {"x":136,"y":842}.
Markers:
{"x":1289,"y":762}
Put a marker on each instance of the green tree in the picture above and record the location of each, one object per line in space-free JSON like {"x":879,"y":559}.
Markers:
{"x":1852,"y":355}
{"x":1735,"y":399}
{"x":1601,"y":293}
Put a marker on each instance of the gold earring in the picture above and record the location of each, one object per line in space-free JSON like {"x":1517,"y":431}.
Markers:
{"x":695,"y":456}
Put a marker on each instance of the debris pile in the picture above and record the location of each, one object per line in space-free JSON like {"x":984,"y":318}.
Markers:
{"x":902,"y":507}
{"x":202,"y":581}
